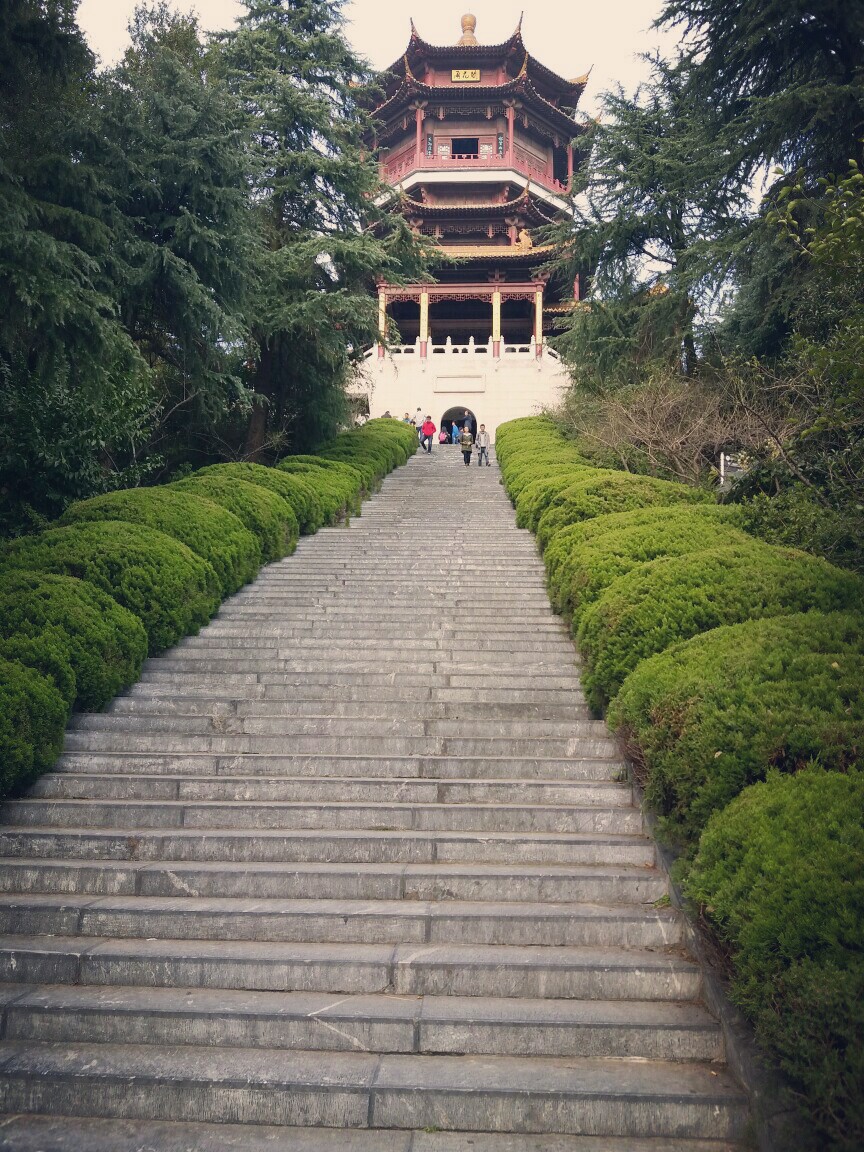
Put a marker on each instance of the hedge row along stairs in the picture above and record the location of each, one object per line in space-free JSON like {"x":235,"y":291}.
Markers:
{"x":354,"y":868}
{"x":734,"y":672}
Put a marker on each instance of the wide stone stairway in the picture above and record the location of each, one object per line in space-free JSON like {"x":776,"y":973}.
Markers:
{"x":355,"y":869}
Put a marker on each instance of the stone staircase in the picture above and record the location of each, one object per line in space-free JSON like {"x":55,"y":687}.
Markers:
{"x":356,"y":857}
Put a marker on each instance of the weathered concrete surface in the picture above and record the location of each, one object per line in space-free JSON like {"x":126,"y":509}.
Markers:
{"x":355,"y":863}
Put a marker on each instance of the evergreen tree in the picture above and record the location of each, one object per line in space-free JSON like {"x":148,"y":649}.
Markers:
{"x":655,"y":217}
{"x":176,"y":160}
{"x":789,"y":72}
{"x":323,"y":242}
{"x":74,"y":399}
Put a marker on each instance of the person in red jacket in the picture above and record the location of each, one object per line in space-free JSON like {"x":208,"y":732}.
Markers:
{"x":427,"y":431}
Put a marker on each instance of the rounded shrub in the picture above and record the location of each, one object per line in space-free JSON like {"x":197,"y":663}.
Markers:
{"x":73,"y":631}
{"x":171,"y":589}
{"x":33,"y":717}
{"x":298,"y":493}
{"x":338,"y":485}
{"x":561,"y":547}
{"x":603,"y":492}
{"x":708,"y":717}
{"x":780,"y":873}
{"x":535,"y":496}
{"x":268,"y":516}
{"x":202,"y":525}
{"x":664,"y":601}
{"x":591,"y":566}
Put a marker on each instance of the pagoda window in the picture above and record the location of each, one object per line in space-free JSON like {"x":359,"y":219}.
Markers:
{"x":466,"y":147}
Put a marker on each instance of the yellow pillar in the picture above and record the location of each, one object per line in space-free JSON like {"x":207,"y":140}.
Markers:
{"x":424,"y":321}
{"x":538,"y":320}
{"x":382,"y":321}
{"x":496,"y":322}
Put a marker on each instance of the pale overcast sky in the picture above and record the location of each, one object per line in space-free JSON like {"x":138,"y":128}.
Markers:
{"x":569,"y":36}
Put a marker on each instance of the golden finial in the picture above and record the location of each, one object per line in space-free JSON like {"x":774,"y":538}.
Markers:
{"x":469,"y":26}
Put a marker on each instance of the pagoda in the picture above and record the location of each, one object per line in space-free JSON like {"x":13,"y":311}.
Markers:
{"x":477,"y":145}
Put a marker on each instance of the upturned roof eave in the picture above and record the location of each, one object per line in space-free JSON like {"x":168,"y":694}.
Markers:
{"x":411,"y":87}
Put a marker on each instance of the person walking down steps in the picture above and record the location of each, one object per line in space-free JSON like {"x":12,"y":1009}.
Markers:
{"x":483,"y":443}
{"x":427,"y":434}
{"x":466,"y":443}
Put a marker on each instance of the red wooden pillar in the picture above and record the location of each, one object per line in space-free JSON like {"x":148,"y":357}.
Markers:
{"x":418,"y":148}
{"x":569,"y":168}
{"x":511,"y":118}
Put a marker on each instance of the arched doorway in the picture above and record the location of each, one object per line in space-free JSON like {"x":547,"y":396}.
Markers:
{"x":458,"y":415}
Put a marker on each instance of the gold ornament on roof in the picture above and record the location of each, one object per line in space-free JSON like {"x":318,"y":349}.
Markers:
{"x":469,"y":26}
{"x":524,"y":240}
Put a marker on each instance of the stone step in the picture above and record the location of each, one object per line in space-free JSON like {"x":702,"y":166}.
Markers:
{"x":317,"y":745}
{"x":83,"y":1134}
{"x":442,"y":675}
{"x":596,"y":884}
{"x":271,"y":719}
{"x":144,"y":703}
{"x":340,"y":921}
{"x":528,"y":648}
{"x":426,"y":1025}
{"x":404,"y":970}
{"x":353,"y":659}
{"x":327,"y":789}
{"x":509,"y":687}
{"x":334,"y":846}
{"x":345,"y":767}
{"x":285,"y":814}
{"x":359,"y":1090}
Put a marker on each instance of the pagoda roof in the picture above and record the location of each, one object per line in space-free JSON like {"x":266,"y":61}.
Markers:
{"x":524,"y":203}
{"x":412,"y":88}
{"x":496,"y":251}
{"x":555,"y":89}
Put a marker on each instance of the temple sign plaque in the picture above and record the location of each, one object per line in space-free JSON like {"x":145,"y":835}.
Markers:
{"x":465,"y":76}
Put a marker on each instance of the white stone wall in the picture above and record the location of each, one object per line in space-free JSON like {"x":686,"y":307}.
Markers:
{"x":518,"y":383}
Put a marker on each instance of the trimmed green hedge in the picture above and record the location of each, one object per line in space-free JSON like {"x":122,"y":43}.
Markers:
{"x":74,"y":632}
{"x":373,"y":450}
{"x":169,"y":587}
{"x":603,"y":492}
{"x":708,"y":717}
{"x":727,"y":659}
{"x":202,"y":525}
{"x":32,"y":721}
{"x":339,"y":486}
{"x":780,"y":873}
{"x":535,"y":496}
{"x":294,"y":489}
{"x":593,"y":564}
{"x":665,"y":601}
{"x":268,"y":516}
{"x":135,"y":571}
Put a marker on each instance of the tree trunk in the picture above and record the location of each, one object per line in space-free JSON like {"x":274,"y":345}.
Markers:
{"x":256,"y":433}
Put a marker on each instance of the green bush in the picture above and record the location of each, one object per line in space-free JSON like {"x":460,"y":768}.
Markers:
{"x":373,"y":450}
{"x":590,"y":567}
{"x":32,"y":720}
{"x":561,"y":547}
{"x":73,"y":631}
{"x":268,"y":516}
{"x":202,"y":525}
{"x":339,"y":485}
{"x":665,"y":601}
{"x":297,"y":492}
{"x":171,"y":589}
{"x":535,"y":496}
{"x":780,"y":872}
{"x":604,"y":492}
{"x":708,"y":717}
